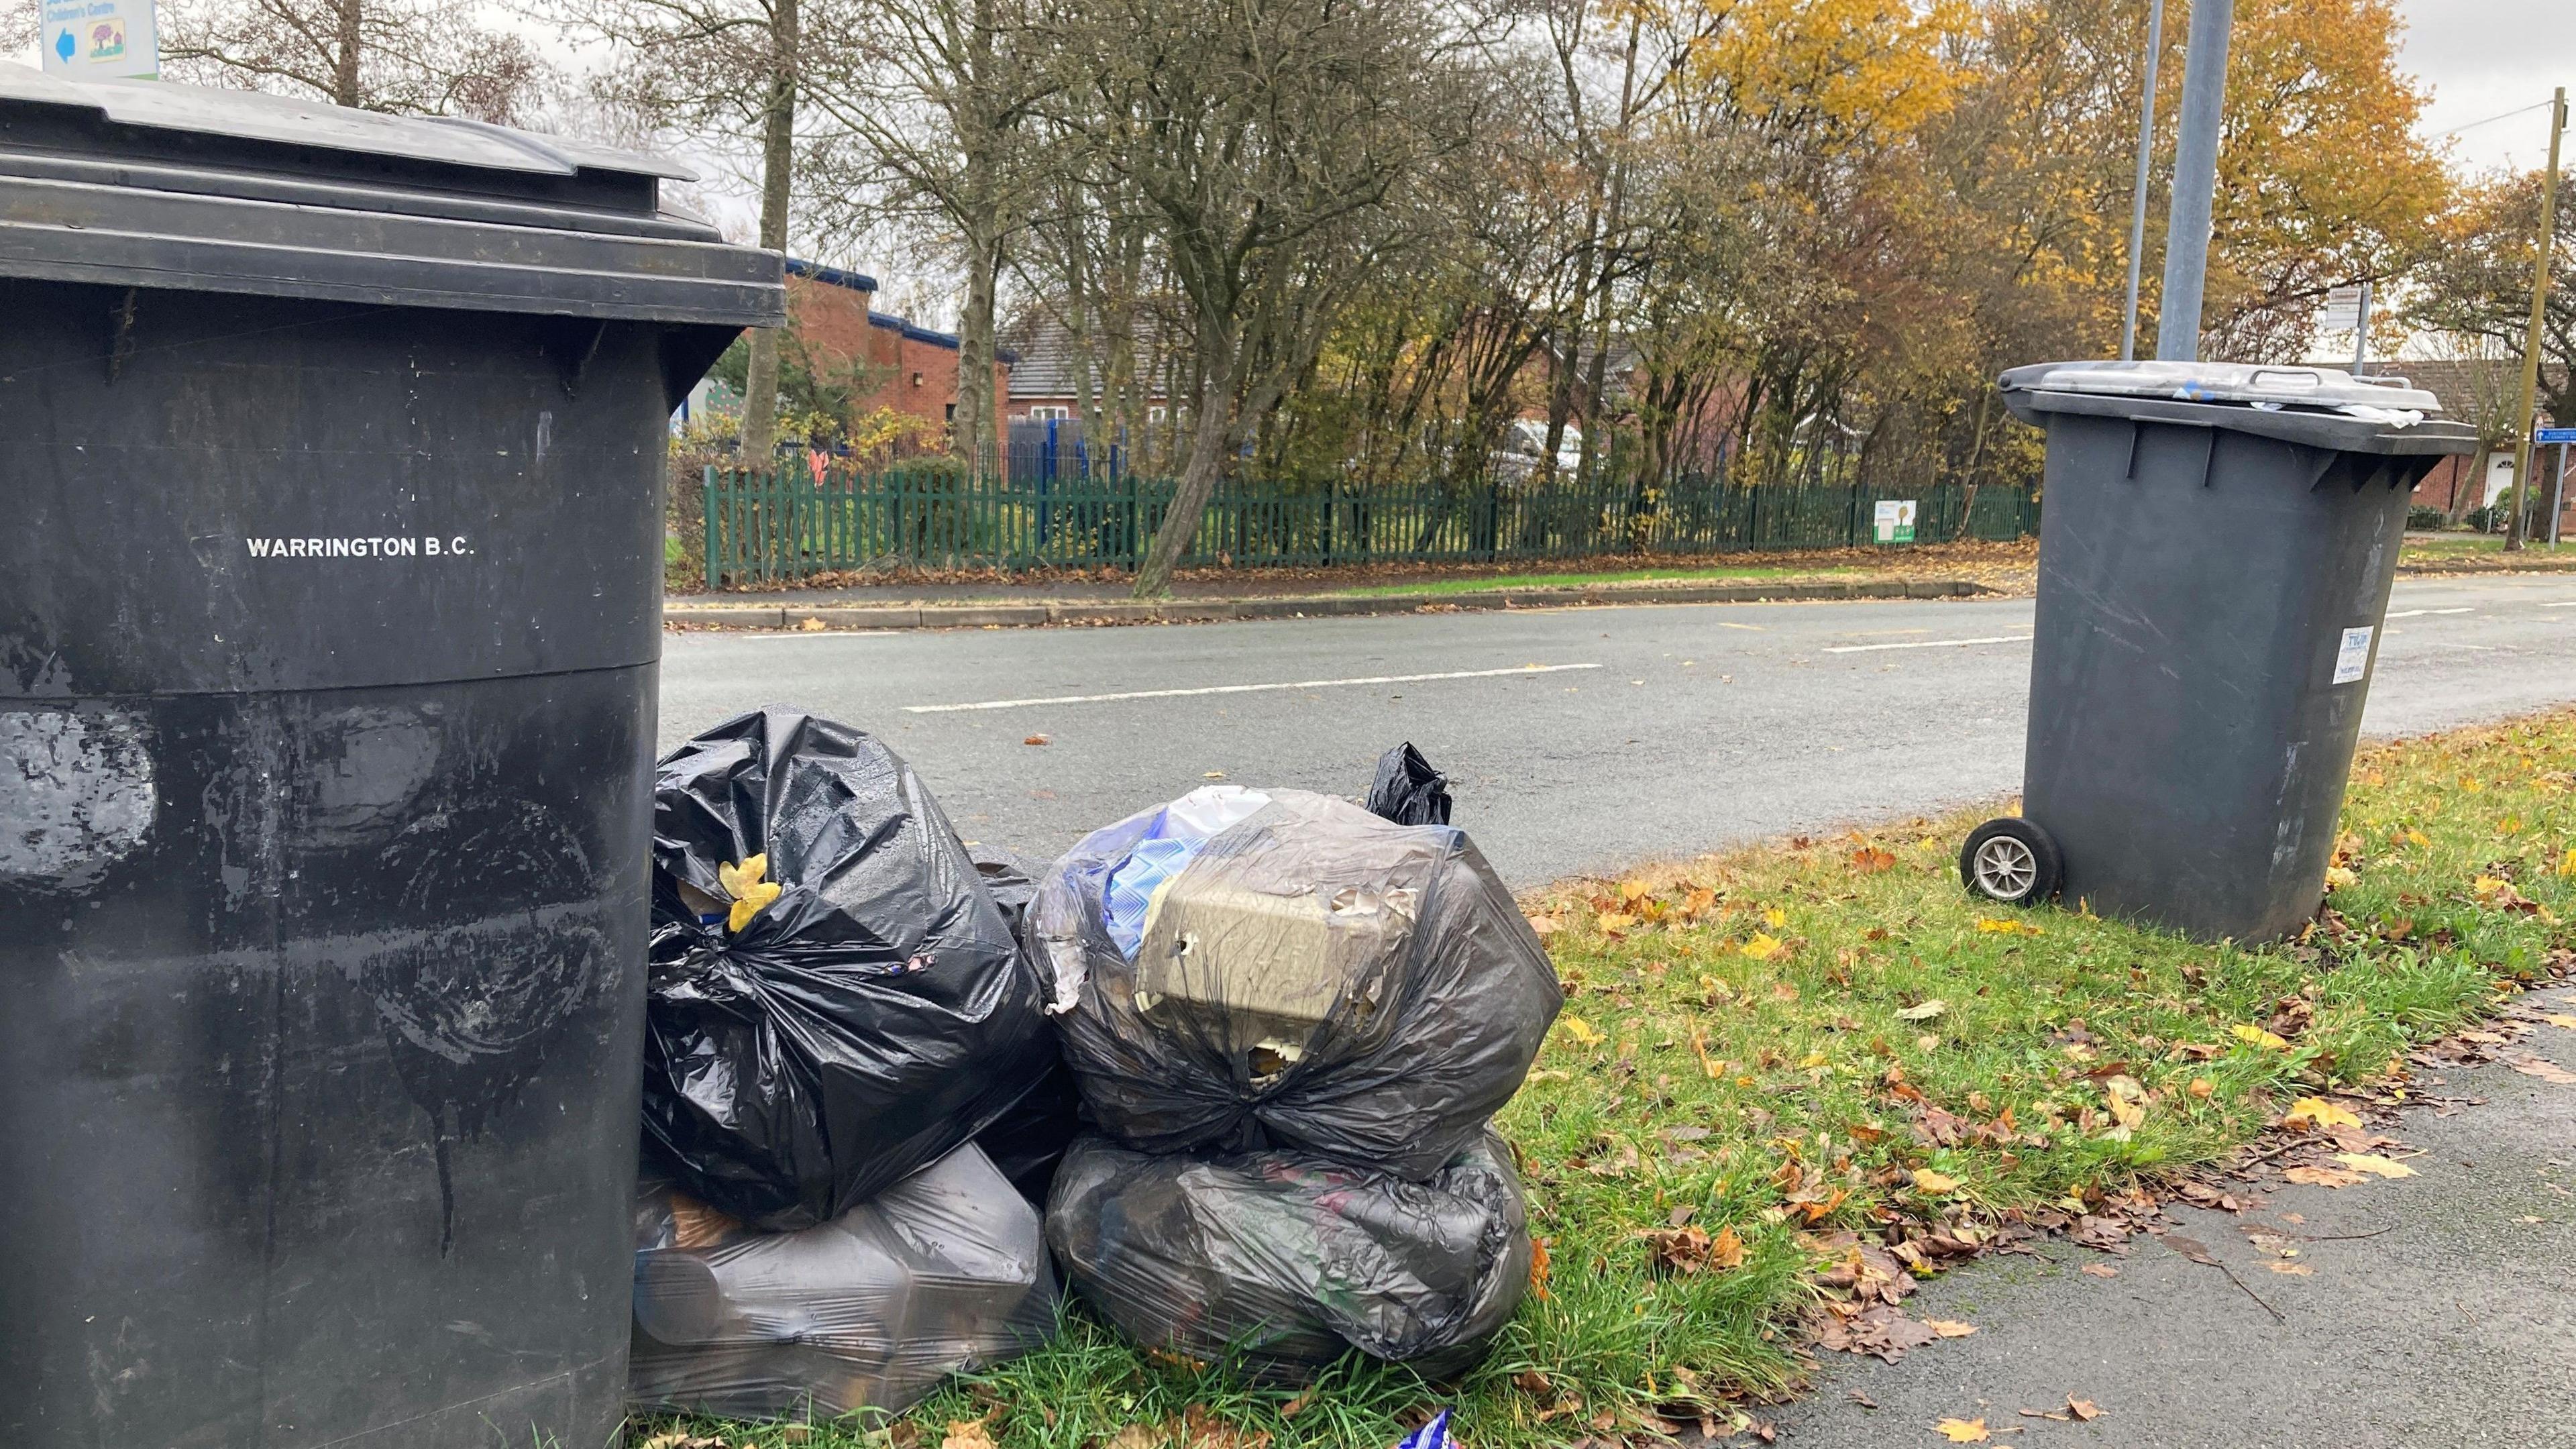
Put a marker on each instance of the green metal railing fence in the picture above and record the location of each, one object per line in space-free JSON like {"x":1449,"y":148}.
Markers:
{"x":789,"y":524}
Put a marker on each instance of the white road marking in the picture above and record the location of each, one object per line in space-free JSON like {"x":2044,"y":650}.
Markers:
{"x":1929,"y":644}
{"x":2561,"y":604}
{"x":1244,"y":688}
{"x":2420,"y":613}
{"x":824,"y":633}
{"x":1747,"y":628}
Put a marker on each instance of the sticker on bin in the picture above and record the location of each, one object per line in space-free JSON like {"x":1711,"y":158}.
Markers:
{"x":2352,"y":660}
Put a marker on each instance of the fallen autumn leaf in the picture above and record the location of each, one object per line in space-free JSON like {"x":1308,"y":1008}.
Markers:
{"x":2257,"y":1036}
{"x":2310,"y":1112}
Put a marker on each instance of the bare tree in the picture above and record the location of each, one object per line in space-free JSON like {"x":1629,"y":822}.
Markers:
{"x":931,"y":100}
{"x":1273,"y":143}
{"x":2477,"y":284}
{"x":17,"y":25}
{"x":410,"y":57}
{"x":2482,"y":388}
{"x":713,"y":65}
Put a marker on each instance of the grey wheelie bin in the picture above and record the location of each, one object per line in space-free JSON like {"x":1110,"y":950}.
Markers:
{"x":331,"y":450}
{"x":2216,"y":550}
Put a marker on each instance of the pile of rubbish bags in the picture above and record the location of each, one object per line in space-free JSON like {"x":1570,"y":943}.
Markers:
{"x":1242,"y":1049}
{"x":1292,"y":1021}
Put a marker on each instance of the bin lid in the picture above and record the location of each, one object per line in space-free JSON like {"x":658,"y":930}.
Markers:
{"x":2315,"y":407}
{"x":154,"y":184}
{"x":2259,"y":385}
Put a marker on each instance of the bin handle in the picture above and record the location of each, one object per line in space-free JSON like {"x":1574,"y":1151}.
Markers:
{"x":2304,"y":377}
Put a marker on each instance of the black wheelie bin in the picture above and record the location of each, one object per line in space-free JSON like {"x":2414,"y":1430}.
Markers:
{"x":2216,"y":550}
{"x":331,"y":446}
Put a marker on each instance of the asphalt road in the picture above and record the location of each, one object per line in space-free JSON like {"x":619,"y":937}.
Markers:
{"x":1647,"y":731}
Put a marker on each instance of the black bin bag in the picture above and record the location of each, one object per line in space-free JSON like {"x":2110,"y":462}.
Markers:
{"x":1242,"y":969}
{"x":1408,"y":790}
{"x":835,"y":1000}
{"x":1027,"y":1141}
{"x":1279,"y":1262}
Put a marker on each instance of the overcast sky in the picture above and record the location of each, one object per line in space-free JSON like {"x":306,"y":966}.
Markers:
{"x":2484,"y":57}
{"x":2479,"y":57}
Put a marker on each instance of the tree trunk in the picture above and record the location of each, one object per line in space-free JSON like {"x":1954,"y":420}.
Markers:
{"x":777,"y":171}
{"x":986,"y":138}
{"x":1560,"y":401}
{"x":344,"y":62}
{"x":1169,"y":448}
{"x":1127,"y":376}
{"x":974,"y":425}
{"x":1212,"y":434}
{"x":1613,"y":206}
{"x":1080,"y":312}
{"x":1976,"y":461}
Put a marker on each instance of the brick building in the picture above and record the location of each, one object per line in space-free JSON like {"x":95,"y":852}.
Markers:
{"x":909,"y":368}
{"x":1046,"y":378}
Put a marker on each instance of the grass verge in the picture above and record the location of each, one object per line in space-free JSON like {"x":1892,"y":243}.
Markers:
{"x":2450,"y":545}
{"x":1752,"y":1043}
{"x":1588,"y":580}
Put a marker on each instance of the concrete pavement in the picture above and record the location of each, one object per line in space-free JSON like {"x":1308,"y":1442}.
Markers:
{"x":1653,"y":731}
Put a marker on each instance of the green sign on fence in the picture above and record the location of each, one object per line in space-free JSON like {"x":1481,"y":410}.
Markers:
{"x":796,"y":521}
{"x":1894,"y":520}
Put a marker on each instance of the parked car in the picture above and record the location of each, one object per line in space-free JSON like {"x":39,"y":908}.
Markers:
{"x":1523,"y":451}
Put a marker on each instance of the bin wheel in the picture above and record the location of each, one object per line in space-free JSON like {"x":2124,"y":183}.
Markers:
{"x":2012,"y":861}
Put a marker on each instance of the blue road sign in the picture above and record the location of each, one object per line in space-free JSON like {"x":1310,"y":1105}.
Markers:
{"x":2556,"y":435}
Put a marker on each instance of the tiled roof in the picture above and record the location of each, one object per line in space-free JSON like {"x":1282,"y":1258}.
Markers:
{"x":1046,"y":361}
{"x":2455,"y":380}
